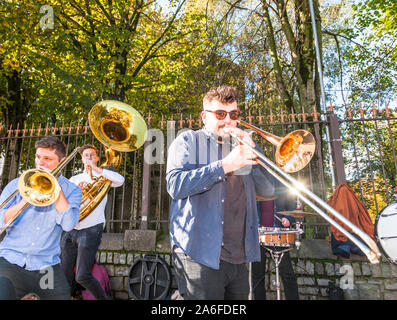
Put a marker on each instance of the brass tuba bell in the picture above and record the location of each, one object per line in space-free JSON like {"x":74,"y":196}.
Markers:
{"x":120,"y":128}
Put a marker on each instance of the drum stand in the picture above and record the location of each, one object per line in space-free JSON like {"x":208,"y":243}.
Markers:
{"x":277,"y":255}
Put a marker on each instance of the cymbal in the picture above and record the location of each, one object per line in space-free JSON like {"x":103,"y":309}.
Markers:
{"x":298,"y":213}
{"x":260,"y":198}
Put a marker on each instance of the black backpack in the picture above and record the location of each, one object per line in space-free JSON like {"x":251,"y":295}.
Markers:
{"x":335,"y":292}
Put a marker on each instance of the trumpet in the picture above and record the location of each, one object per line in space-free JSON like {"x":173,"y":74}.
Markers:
{"x":37,"y":187}
{"x":293,"y":153}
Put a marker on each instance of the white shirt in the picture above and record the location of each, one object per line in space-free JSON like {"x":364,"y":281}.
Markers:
{"x":98,"y":214}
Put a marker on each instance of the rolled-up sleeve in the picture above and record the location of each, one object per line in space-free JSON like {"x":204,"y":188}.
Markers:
{"x":8,"y":190}
{"x":69,"y":218}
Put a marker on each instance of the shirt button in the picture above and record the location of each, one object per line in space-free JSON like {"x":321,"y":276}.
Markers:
{"x":223,"y":200}
{"x":32,"y":243}
{"x":222,"y":222}
{"x":220,"y":178}
{"x":223,"y":244}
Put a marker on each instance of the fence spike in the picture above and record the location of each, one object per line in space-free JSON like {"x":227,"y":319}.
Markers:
{"x":181,"y":122}
{"x":190,"y":121}
{"x":270,"y":116}
{"x":349,"y":112}
{"x":162,"y":122}
{"x":374,"y":110}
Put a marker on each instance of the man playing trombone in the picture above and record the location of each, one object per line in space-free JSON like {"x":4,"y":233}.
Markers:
{"x":213,"y":218}
{"x":29,"y":252}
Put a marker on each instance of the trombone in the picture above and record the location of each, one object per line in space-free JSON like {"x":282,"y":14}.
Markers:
{"x":38,"y":187}
{"x":293,"y":153}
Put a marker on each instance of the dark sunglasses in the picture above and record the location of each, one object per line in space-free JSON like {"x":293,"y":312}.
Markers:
{"x":221,"y":114}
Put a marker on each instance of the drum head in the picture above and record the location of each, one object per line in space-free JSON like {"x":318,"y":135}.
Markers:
{"x":386,"y":231}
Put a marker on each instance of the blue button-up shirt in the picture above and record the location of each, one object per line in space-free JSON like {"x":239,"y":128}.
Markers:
{"x":196,"y":183}
{"x":33,"y":238}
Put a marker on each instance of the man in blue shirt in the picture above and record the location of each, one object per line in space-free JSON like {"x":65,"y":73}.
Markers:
{"x":213,"y":217}
{"x":29,"y":252}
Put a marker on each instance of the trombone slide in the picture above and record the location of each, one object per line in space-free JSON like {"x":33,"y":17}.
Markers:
{"x":369,"y":247}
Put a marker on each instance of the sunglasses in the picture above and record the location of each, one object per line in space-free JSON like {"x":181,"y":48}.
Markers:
{"x":221,"y":114}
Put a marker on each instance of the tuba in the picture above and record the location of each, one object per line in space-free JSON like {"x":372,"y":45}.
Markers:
{"x":120,"y":128}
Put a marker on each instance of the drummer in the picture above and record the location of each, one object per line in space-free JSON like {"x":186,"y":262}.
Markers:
{"x":284,"y":201}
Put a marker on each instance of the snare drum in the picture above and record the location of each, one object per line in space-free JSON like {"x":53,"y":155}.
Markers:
{"x":386,"y":231}
{"x":277,"y":237}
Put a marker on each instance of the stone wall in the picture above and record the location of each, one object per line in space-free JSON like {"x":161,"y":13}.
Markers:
{"x":314,"y":266}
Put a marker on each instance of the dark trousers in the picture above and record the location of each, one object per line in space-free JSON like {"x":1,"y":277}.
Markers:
{"x":78,"y":249}
{"x":199,"y":282}
{"x":287,"y":276}
{"x":16,"y":282}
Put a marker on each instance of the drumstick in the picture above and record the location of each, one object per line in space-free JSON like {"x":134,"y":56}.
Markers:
{"x":278,"y":218}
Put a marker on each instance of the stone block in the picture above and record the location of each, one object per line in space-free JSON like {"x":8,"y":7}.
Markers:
{"x":393,"y":270}
{"x":329,"y":269}
{"x":308,"y":290}
{"x":123,"y":258}
{"x":356,"y":269}
{"x":315,"y":249}
{"x":390,"y":285}
{"x":366,"y":269}
{"x":319,"y":268}
{"x":116,"y":283}
{"x":116,"y":258}
{"x":121,"y":295}
{"x":306,"y":281}
{"x":386,"y":270}
{"x":109,"y":257}
{"x":369,"y":292}
{"x":121,"y":271}
{"x":140,"y":240}
{"x":300,"y":267}
{"x":351,"y":294}
{"x":390,"y":295}
{"x":376,"y":270}
{"x":323,"y":282}
{"x":110,"y":269}
{"x":130,"y":258}
{"x":111,"y":241}
{"x":102,"y":257}
{"x":309,"y":267}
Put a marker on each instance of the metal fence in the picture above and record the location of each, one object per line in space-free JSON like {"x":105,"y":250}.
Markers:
{"x":363,"y":148}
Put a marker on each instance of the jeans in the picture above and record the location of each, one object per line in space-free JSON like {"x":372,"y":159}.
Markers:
{"x":78,"y":249}
{"x":199,"y":282}
{"x":287,"y":276}
{"x":49,"y":283}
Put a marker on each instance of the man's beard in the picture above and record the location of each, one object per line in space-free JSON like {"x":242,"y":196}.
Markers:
{"x":219,"y":134}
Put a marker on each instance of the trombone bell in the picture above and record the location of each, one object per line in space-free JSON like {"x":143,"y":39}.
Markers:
{"x":38,"y":187}
{"x":295,"y":151}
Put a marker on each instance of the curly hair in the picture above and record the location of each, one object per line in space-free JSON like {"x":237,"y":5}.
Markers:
{"x":223,"y":94}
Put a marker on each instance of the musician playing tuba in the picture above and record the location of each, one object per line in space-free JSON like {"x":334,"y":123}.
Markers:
{"x":29,"y":252}
{"x":79,"y":246}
